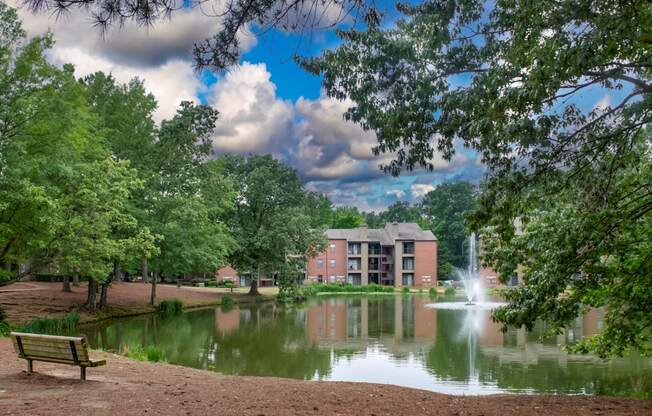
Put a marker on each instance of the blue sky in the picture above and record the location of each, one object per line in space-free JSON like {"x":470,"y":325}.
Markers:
{"x":267,"y":104}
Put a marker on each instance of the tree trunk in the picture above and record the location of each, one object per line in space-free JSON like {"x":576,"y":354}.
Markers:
{"x":104,"y":288}
{"x":92,"y":294}
{"x":117,"y":271}
{"x":144,"y":270}
{"x":152,"y":298}
{"x":66,"y":284}
{"x":253,"y":290}
{"x":75,"y":279}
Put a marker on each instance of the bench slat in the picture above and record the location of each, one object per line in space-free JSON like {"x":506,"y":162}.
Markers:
{"x":43,"y":336}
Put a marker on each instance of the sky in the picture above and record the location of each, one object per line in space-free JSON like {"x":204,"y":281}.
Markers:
{"x":267,"y":104}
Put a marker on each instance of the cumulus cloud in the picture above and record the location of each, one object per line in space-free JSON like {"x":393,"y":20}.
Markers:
{"x":398,"y":193}
{"x":252,"y":118}
{"x":160,"y":55}
{"x":419,"y":190}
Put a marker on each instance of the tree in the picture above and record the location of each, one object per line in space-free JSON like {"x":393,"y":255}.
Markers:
{"x":346,"y":217}
{"x":505,"y":78}
{"x":271,"y":220}
{"x":400,"y":211}
{"x":189,"y":198}
{"x":442,"y":212}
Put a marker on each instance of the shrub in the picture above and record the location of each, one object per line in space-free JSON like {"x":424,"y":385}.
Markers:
{"x":450,"y":291}
{"x":227,"y":303}
{"x":345,"y":288}
{"x":432,"y":292}
{"x":405,"y":290}
{"x":5,"y":329}
{"x":52,"y":326}
{"x":420,"y":291}
{"x":170,"y":307}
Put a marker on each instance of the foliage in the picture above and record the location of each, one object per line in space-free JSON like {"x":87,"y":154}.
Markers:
{"x":5,"y":328}
{"x":568,"y":194}
{"x":170,"y":307}
{"x":311,"y":290}
{"x":450,"y":291}
{"x":442,"y":211}
{"x":52,"y":326}
{"x":346,"y":217}
{"x":226,"y":303}
{"x":405,"y":290}
{"x":271,"y":220}
{"x":432,"y":292}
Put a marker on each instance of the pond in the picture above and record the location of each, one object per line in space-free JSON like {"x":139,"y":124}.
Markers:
{"x":391,"y":339}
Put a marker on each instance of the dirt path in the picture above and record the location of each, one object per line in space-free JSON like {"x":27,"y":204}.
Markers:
{"x":26,"y":301}
{"x":127,"y":387}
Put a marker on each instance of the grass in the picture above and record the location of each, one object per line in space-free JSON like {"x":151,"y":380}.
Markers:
{"x":52,"y":326}
{"x":150,"y":353}
{"x":170,"y":307}
{"x":345,"y":288}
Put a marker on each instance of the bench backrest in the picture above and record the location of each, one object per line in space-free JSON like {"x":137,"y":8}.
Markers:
{"x":72,"y":350}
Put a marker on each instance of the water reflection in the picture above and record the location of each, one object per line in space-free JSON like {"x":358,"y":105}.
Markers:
{"x":384,"y":339}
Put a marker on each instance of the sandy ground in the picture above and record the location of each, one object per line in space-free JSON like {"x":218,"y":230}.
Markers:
{"x":25,"y":301}
{"x":127,"y":387}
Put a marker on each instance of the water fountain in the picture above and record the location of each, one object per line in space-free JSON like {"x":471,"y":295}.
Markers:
{"x":472,"y":282}
{"x":470,"y":277}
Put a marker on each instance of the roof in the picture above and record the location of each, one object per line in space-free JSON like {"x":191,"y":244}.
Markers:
{"x":386,"y":236}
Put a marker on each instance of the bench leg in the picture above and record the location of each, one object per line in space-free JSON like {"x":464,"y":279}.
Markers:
{"x":83,"y":373}
{"x":29,"y":367}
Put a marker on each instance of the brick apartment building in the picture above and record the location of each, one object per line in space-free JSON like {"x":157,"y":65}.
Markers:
{"x":400,"y":254}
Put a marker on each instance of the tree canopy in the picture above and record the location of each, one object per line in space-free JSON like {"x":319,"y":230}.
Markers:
{"x":507,"y":79}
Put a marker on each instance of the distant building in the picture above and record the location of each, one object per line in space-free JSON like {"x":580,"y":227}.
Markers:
{"x":401,"y":254}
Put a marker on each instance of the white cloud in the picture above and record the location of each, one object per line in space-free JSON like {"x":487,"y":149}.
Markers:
{"x":159,"y":55}
{"x":603,"y":103}
{"x":252,"y":119}
{"x":398,"y":193}
{"x":419,"y":190}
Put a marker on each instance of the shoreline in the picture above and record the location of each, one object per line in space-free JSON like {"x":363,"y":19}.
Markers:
{"x":129,"y":387}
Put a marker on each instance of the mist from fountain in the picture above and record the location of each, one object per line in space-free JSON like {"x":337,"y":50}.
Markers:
{"x":471,"y":279}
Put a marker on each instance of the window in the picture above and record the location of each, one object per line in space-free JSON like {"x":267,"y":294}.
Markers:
{"x":408,"y":247}
{"x":374,"y":278}
{"x":355,"y":279}
{"x":333,"y":247}
{"x":408,"y":279}
{"x":331,"y":263}
{"x":354,"y":264}
{"x":408,"y":263}
{"x":374,"y":249}
{"x":320,"y":263}
{"x":320,"y":278}
{"x":355,"y":248}
{"x":374,"y":264}
{"x":332,"y":278}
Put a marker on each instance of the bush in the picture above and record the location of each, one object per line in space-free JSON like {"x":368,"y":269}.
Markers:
{"x":405,"y":290}
{"x":450,"y":291}
{"x":432,"y":292}
{"x":5,"y":329}
{"x":227,"y":303}
{"x":170,"y":307}
{"x":52,"y":326}
{"x":345,"y":288}
{"x":420,"y":291}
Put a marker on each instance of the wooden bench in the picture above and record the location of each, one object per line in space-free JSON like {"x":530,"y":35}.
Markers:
{"x":54,"y":349}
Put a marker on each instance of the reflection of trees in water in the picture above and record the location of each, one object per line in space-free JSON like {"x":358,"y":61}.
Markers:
{"x":267,"y":342}
{"x":537,"y":364}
